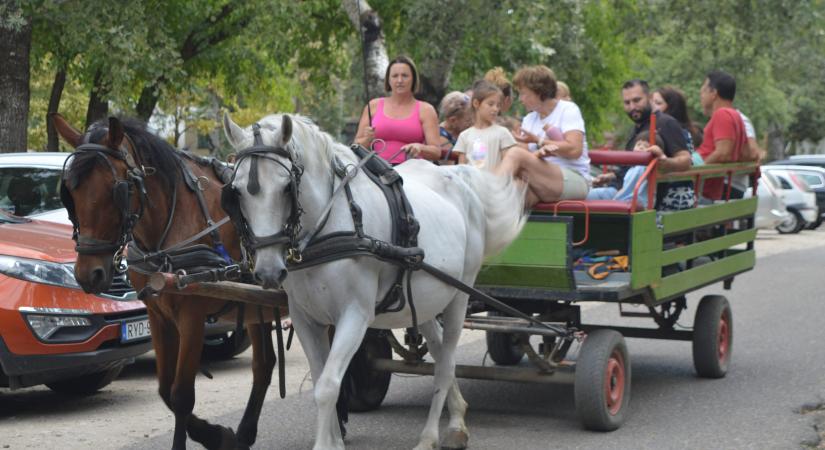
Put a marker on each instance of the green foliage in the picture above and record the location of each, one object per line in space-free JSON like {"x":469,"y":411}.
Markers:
{"x":773,"y":48}
{"x":72,"y":107}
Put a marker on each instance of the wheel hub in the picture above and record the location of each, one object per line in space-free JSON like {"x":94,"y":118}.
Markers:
{"x":614,"y":383}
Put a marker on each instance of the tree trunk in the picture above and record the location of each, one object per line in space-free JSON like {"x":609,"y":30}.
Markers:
{"x":374,"y":56}
{"x":98,"y":105}
{"x":15,"y":45}
{"x":776,"y":143}
{"x":53,"y":143}
{"x":446,"y":22}
{"x":149,"y":97}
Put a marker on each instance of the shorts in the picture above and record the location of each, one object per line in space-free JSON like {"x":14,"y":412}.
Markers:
{"x":575,"y":187}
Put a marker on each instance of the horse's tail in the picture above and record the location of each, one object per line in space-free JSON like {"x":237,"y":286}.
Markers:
{"x":503,"y":202}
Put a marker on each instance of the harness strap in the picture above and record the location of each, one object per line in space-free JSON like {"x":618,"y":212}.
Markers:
{"x":310,"y":235}
{"x":497,"y":304}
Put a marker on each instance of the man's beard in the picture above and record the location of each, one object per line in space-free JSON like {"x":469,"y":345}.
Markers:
{"x":642,"y":114}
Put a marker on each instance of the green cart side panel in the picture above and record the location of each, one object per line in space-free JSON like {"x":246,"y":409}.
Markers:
{"x":689,"y":279}
{"x":707,"y":247}
{"x":539,"y":257}
{"x":674,"y":222}
{"x":645,"y":250}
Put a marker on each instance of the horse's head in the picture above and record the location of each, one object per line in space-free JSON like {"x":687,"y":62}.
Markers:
{"x":263,"y":196}
{"x":99,"y":187}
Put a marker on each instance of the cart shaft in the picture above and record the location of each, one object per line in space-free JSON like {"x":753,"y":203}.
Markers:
{"x":527,"y":374}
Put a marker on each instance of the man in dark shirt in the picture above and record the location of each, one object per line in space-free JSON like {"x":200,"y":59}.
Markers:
{"x":674,"y":157}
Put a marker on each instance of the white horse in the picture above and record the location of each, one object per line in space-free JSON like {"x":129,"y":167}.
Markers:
{"x":465,"y":215}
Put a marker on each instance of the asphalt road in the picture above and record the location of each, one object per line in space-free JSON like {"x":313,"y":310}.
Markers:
{"x":778,"y":366}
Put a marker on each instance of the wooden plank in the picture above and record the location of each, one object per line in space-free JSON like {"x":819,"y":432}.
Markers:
{"x":689,"y":279}
{"x":534,"y":252}
{"x":645,"y":249}
{"x":526,"y":276}
{"x":706,"y":247}
{"x":678,"y":221}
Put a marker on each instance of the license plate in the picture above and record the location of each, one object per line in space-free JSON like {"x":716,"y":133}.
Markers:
{"x":135,"y":330}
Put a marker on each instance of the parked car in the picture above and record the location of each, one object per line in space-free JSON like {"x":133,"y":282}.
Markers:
{"x":814,"y":176}
{"x":30,"y":187}
{"x":799,"y":199}
{"x":770,"y":210}
{"x":801,"y":160}
{"x":51,"y":332}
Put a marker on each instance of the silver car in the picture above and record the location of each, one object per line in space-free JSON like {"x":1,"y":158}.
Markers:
{"x":799,"y":199}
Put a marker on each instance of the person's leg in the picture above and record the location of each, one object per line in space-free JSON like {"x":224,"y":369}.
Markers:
{"x":544,"y":179}
{"x":602,"y":193}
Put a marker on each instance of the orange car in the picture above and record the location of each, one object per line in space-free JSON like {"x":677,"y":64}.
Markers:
{"x":51,"y":332}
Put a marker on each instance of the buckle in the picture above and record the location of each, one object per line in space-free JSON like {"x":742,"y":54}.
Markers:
{"x":232,"y":272}
{"x":294,"y":256}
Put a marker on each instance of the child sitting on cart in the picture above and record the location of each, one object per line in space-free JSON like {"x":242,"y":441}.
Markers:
{"x":483,"y":144}
{"x":631,"y":177}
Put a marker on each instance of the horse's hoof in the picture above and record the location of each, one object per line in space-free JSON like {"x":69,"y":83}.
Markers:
{"x":454,"y":439}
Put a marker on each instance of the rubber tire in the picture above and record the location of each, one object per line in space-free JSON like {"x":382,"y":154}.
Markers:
{"x":591,"y":379}
{"x":706,"y":337}
{"x":86,"y":384}
{"x":792,"y":227}
{"x":501,"y":347}
{"x":369,"y":387}
{"x":225,"y":348}
{"x":815,"y":225}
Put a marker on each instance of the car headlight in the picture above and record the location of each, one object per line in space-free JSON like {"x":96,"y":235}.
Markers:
{"x":46,"y":326}
{"x":38,"y":271}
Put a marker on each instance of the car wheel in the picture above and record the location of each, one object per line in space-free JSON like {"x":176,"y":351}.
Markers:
{"x":815,"y":225}
{"x":86,"y":384}
{"x":225,"y":346}
{"x":792,"y":224}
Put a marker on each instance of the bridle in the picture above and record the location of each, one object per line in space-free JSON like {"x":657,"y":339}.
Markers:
{"x":121,"y":193}
{"x":230,"y":197}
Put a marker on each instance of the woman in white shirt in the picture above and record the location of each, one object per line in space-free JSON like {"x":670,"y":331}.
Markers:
{"x":552,"y":156}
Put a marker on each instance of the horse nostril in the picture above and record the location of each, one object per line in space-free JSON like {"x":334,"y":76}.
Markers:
{"x":98,"y":277}
{"x":282,"y":276}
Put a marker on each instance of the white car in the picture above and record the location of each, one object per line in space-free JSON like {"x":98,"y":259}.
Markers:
{"x":799,"y":199}
{"x":770,"y":210}
{"x":30,"y":185}
{"x":814,"y":176}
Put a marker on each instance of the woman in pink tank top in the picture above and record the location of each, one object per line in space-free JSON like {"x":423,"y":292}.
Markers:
{"x":399,"y":121}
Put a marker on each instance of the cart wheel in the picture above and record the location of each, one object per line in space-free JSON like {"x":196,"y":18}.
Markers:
{"x":367,"y":388}
{"x":712,"y":337}
{"x":602,"y":382}
{"x":504,"y":348}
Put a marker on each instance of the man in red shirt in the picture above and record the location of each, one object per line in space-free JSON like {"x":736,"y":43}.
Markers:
{"x":725,"y":139}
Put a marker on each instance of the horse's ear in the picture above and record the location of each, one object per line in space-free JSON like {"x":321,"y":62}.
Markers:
{"x":286,"y":129}
{"x":115,"y":133}
{"x":65,"y":130}
{"x":233,"y":132}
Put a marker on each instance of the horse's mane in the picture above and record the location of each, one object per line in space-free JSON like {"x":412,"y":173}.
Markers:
{"x":307,"y":133}
{"x":153,"y":151}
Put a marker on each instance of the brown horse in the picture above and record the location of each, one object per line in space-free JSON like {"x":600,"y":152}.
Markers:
{"x":126,"y":184}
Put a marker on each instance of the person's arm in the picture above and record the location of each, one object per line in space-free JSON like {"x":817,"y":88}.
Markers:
{"x":722,"y":152}
{"x":366,"y":133}
{"x":570,"y":148}
{"x":753,"y":152}
{"x":429,"y":122}
{"x":675,"y":157}
{"x":460,"y":148}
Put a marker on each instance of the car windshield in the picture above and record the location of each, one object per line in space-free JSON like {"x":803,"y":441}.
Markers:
{"x":29,"y":190}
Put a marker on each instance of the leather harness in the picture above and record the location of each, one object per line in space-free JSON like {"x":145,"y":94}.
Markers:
{"x":310,"y":249}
